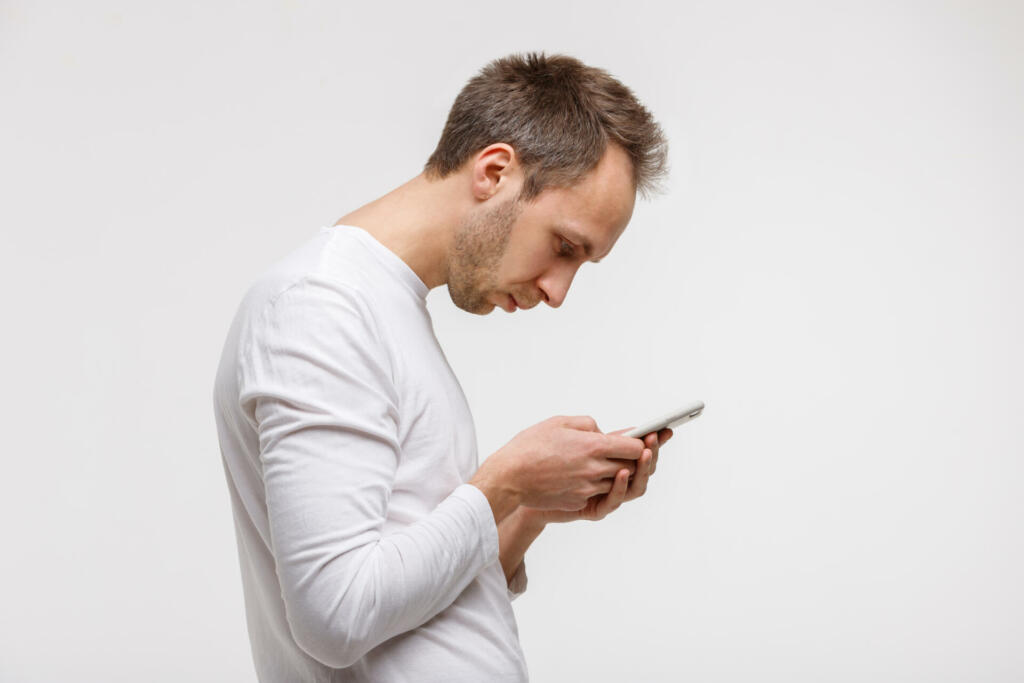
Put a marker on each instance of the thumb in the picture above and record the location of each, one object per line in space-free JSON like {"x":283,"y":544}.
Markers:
{"x":622,"y":431}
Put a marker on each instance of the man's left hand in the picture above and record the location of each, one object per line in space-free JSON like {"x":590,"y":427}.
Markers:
{"x":625,"y":487}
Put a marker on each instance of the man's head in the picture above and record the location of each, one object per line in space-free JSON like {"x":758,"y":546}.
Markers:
{"x":552,"y":153}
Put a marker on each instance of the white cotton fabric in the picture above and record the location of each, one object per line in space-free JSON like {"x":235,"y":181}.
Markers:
{"x":346,"y":442}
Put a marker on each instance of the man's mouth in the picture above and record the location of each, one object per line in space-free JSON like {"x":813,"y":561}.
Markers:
{"x":512,"y":303}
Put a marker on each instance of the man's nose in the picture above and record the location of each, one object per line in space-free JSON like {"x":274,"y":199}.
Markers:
{"x":556,"y":289}
{"x":554,"y":301}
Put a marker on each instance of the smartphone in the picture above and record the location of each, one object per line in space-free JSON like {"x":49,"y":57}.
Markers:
{"x":677,"y":417}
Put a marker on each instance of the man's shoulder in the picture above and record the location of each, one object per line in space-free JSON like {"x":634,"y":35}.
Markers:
{"x":316,"y":268}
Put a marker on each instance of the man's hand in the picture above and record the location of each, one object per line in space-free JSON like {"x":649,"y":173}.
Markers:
{"x":558,"y":464}
{"x":519,"y":529}
{"x":624,"y":487}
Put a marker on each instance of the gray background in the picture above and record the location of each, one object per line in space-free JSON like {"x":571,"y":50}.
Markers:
{"x":835,"y":270}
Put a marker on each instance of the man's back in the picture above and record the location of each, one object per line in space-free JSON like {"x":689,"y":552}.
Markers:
{"x":346,"y":441}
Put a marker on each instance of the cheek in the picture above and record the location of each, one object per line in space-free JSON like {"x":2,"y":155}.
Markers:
{"x":527,"y":267}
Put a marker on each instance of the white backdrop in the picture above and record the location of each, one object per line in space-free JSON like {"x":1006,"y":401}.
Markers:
{"x":835,"y":270}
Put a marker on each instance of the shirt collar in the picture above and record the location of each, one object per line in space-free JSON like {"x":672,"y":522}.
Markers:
{"x":389,"y":260}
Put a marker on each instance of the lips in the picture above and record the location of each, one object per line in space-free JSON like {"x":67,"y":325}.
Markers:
{"x":512,"y":303}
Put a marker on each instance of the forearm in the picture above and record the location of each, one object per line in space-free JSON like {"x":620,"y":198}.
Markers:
{"x":515,"y":534}
{"x":345,"y":599}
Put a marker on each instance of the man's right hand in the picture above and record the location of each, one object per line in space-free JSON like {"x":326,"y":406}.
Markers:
{"x":557,"y":464}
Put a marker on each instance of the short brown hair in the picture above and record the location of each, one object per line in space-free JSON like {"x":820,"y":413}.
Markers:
{"x":558,"y":114}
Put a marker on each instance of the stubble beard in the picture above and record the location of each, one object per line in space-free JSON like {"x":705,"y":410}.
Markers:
{"x":479,"y":244}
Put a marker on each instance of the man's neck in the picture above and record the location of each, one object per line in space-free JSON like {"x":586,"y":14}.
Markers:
{"x":417,"y":222}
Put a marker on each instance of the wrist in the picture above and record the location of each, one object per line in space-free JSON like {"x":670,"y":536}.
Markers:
{"x":499,"y":489}
{"x":533,"y":519}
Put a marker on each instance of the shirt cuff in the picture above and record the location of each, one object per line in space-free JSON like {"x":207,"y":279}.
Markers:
{"x":487,"y":527}
{"x":517,"y":584}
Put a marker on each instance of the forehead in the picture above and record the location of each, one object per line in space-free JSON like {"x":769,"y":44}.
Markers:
{"x":597,"y":207}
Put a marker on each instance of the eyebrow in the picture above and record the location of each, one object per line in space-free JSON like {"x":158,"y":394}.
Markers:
{"x":588,"y":248}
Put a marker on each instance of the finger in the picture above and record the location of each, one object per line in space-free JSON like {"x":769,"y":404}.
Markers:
{"x":612,"y":466}
{"x":642,"y":465}
{"x":651,"y":440}
{"x":617,"y":446}
{"x":652,"y":444}
{"x":615,"y":496}
{"x":638,"y":486}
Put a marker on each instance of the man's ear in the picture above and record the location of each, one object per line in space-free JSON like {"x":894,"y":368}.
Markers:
{"x":492,"y":170}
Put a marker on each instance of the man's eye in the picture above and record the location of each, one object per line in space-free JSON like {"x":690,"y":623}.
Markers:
{"x":567,"y":249}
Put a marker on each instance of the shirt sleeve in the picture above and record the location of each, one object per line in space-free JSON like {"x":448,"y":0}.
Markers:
{"x":517,"y":584}
{"x":319,"y":388}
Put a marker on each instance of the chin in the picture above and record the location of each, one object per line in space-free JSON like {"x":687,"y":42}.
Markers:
{"x":471,"y":299}
{"x":484,"y":309}
{"x":476,"y":308}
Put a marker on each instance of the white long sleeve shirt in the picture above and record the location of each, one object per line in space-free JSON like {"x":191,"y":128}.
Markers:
{"x":346,"y":442}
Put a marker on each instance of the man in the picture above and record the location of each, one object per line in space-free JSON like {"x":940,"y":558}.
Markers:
{"x":372,"y":546}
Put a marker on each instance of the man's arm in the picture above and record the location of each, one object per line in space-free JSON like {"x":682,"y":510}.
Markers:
{"x":515,"y":534}
{"x":521,"y":527}
{"x":316,"y":385}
